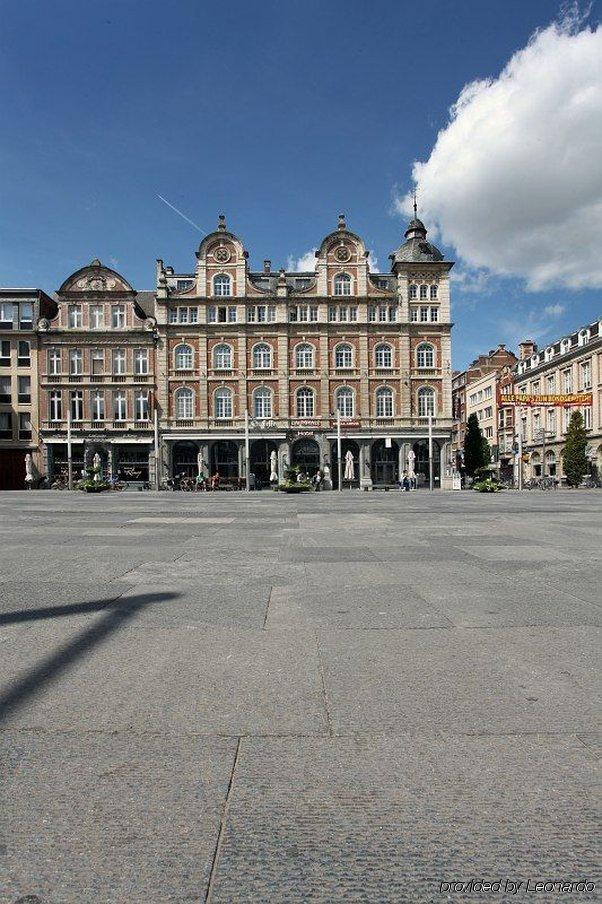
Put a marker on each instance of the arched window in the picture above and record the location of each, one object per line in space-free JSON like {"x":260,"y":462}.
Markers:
{"x":413,"y":291}
{"x":426,"y":401}
{"x":342,"y":284}
{"x":583,"y":337}
{"x":222,"y":357}
{"x":565,"y":346}
{"x":222,"y":284}
{"x":343,"y":356}
{"x":344,"y":401}
{"x":183,"y":357}
{"x":384,"y":402}
{"x":425,"y":355}
{"x":304,"y":356}
{"x":223,"y":402}
{"x":262,"y":402}
{"x":383,"y":355}
{"x":305,"y":402}
{"x":433,"y":291}
{"x":262,"y":356}
{"x":184,"y":403}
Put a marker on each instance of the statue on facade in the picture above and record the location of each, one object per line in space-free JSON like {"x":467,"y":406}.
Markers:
{"x":97,"y":467}
{"x":273,"y":467}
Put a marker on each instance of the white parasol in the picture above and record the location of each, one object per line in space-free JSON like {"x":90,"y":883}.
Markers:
{"x":273,"y":467}
{"x":349,"y":466}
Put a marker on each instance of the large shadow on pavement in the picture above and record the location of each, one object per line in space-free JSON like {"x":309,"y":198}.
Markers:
{"x":119,"y":612}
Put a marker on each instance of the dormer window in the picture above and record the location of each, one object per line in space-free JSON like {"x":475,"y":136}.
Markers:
{"x":222,"y":285}
{"x":342,"y":284}
{"x":549,"y":354}
{"x":583,"y":337}
{"x":565,"y":346}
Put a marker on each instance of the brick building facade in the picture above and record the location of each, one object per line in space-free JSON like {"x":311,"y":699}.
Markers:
{"x":292,"y":347}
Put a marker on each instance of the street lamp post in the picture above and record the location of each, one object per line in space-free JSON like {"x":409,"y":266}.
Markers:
{"x":247,"y":453}
{"x":339,"y":451}
{"x":431,"y":476}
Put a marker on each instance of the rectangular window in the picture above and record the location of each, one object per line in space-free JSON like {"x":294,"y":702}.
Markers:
{"x":193,"y":315}
{"x":392,"y":314}
{"x":352,"y":313}
{"x":212,"y":314}
{"x":182,"y":284}
{"x":98,"y":405}
{"x":97,"y":317}
{"x":76,"y":361}
{"x":75,"y":316}
{"x":77,"y":405}
{"x":261,"y":314}
{"x":423,"y":292}
{"x":434,"y":315}
{"x":272,"y":313}
{"x":119,"y":406}
{"x":6,"y":315}
{"x":551,"y":421}
{"x":332,"y":312}
{"x":372,"y":314}
{"x":25,"y":315}
{"x":182,"y":315}
{"x":566,"y":416}
{"x":250,"y":315}
{"x":567,"y":381}
{"x":24,"y":354}
{"x":55,"y":405}
{"x":587,"y":417}
{"x":141,"y":360}
{"x":382,"y":314}
{"x":173,"y":315}
{"x":232,"y":314}
{"x":24,"y":425}
{"x":414,"y":315}
{"x":222,"y":315}
{"x":424,"y":315}
{"x":585,"y":371}
{"x":6,"y":425}
{"x":343,"y":313}
{"x":433,"y":291}
{"x":119,"y":361}
{"x":97,"y":358}
{"x":24,"y":390}
{"x":142,"y":406}
{"x":5,"y":390}
{"x":551,"y":384}
{"x":4,"y":353}
{"x":117,"y":316}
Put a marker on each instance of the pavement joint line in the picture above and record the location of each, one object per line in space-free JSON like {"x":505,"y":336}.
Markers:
{"x":267,"y":609}
{"x":593,"y":750}
{"x":336,"y":736}
{"x":222,"y":825}
{"x":323,"y":681}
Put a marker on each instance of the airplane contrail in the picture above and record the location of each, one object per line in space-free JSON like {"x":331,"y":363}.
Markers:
{"x":183,"y":215}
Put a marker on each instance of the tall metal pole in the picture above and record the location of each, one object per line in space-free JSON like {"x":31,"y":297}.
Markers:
{"x":247,"y":453}
{"x":339,"y":451}
{"x":543,"y":453}
{"x":431,"y":480}
{"x":69,"y":453}
{"x":520,"y":458}
{"x":156,"y":426}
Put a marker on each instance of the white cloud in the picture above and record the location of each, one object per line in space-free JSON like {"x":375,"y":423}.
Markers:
{"x":471,"y":281}
{"x":372,"y":262}
{"x":514,"y":181}
{"x":554,"y":310}
{"x":306,"y":262}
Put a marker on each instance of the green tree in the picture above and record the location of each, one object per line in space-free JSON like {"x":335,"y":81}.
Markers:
{"x":574,"y":457}
{"x":476,"y":447}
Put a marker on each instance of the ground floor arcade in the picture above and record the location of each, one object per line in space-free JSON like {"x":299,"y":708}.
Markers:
{"x":126,"y":459}
{"x":368,"y":460}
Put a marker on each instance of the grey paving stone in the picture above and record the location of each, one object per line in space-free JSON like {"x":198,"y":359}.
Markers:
{"x":110,"y":817}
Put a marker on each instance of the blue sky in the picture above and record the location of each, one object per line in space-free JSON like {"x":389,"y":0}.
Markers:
{"x":281,"y":115}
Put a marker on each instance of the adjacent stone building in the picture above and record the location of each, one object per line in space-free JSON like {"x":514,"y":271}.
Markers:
{"x":571,"y":364}
{"x":20,"y":310}
{"x":97,"y":362}
{"x":290,"y":348}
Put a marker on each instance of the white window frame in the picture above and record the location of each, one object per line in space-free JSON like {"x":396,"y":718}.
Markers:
{"x":345,"y":401}
{"x":342,"y":285}
{"x":223,"y":405}
{"x":305,"y":350}
{"x":222,"y":285}
{"x":262,"y":356}
{"x":76,"y":362}
{"x":222,"y":356}
{"x":384,"y":402}
{"x":426,"y":401}
{"x":425,"y":356}
{"x":305,"y":402}
{"x":183,"y":355}
{"x":383,"y":356}
{"x":117,"y":316}
{"x":141,"y":364}
{"x":141,"y":406}
{"x":97,"y":404}
{"x":262,"y":403}
{"x":343,"y":356}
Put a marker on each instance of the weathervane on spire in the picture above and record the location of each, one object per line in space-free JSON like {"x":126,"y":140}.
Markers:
{"x":415,"y":204}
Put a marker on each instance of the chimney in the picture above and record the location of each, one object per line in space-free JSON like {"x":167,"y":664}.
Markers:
{"x":267,"y":267}
{"x":526,"y":348}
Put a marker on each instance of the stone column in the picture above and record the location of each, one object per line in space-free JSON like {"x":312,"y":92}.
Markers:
{"x":365,"y":465}
{"x":284,"y":458}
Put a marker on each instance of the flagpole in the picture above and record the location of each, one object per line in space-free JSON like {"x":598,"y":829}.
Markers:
{"x":339,"y":451}
{"x":431,"y":482}
{"x":156,"y":434}
{"x":69,"y":452}
{"x":247,"y":453}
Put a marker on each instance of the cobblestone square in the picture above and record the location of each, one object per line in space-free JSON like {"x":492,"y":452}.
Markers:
{"x":263,"y":698}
